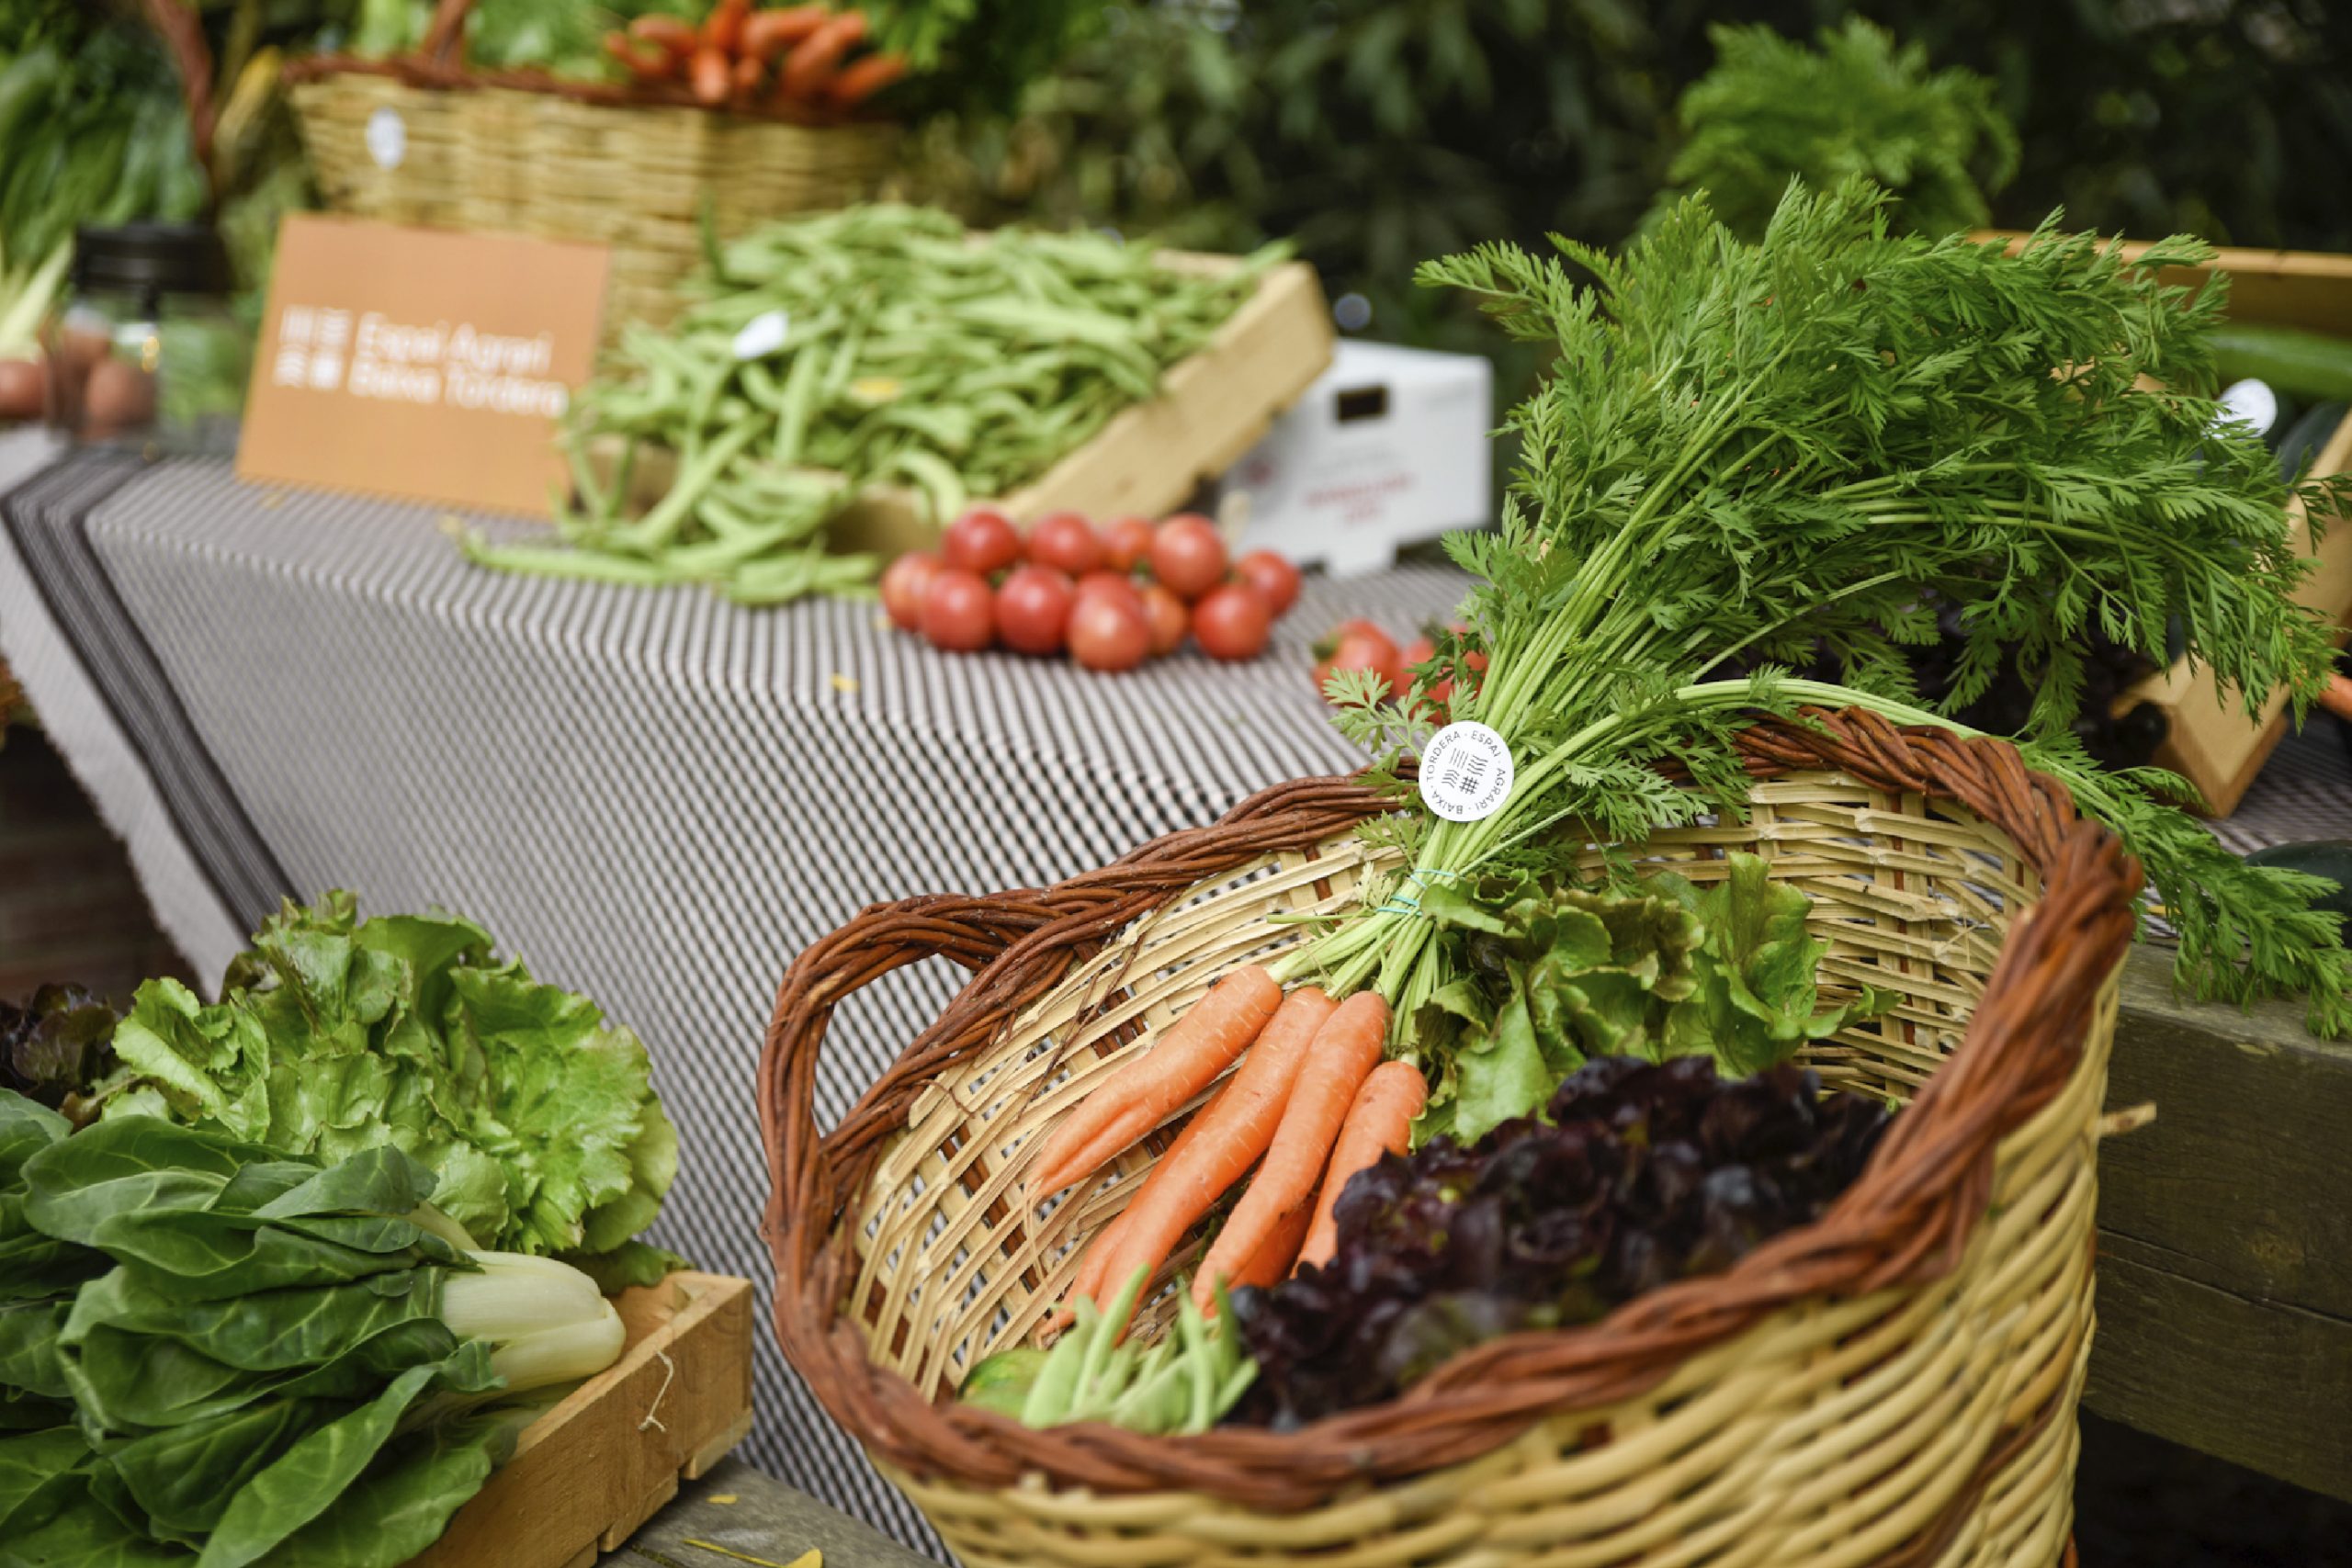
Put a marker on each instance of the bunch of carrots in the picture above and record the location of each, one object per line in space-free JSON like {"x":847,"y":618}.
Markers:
{"x":794,"y":57}
{"x":1310,"y":1106}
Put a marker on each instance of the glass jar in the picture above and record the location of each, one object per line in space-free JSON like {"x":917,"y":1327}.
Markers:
{"x":145,"y":350}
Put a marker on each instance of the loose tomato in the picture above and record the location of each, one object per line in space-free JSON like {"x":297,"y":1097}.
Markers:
{"x":1169,"y":618}
{"x":1357,"y":651}
{"x":1389,"y":664}
{"x":1188,"y":555}
{"x":1033,"y":609}
{"x":1066,"y":542}
{"x":1232,"y":622}
{"x":902,"y":588}
{"x":1272,"y":576}
{"x":1108,"y":633}
{"x":1419,"y":651}
{"x":958,"y":611}
{"x":982,"y":541}
{"x":1126,"y":541}
{"x":1115,"y":584}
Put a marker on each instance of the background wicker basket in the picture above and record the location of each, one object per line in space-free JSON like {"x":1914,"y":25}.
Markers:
{"x":1893,"y":1385}
{"x":525,"y":152}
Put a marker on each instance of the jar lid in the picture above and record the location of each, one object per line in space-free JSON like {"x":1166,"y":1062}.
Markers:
{"x":169,"y":258}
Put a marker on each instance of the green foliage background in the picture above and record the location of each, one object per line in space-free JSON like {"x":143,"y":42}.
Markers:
{"x":1383,"y":132}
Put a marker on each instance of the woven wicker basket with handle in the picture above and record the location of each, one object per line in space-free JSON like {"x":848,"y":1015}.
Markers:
{"x":1894,"y":1384}
{"x":526,"y":152}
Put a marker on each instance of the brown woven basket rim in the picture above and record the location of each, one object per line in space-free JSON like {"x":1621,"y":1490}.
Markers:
{"x":1904,"y":1222}
{"x":433,"y":75}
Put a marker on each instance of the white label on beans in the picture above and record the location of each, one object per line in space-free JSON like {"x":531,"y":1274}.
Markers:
{"x":386,"y":138}
{"x":1465,"y":771}
{"x":763,"y":335}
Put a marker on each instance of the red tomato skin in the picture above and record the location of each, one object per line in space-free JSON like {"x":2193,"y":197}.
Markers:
{"x":1356,"y":651}
{"x":1232,"y":623}
{"x":982,"y":540}
{"x":1126,"y":541}
{"x":1188,"y":555}
{"x":902,"y":588}
{"x":1272,"y":576}
{"x":1066,"y":542}
{"x":1108,"y":633}
{"x":1169,"y":618}
{"x":1117,"y":585}
{"x":958,"y":611}
{"x":1033,"y":609}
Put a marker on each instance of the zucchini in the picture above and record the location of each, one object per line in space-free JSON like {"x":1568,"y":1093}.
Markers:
{"x":2331,"y":858}
{"x":2309,"y":364}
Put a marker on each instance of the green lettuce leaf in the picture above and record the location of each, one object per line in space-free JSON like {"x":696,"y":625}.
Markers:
{"x":335,"y":1035}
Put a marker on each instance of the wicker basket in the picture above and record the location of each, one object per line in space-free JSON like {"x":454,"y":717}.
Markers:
{"x":524,"y":152}
{"x":1894,"y":1384}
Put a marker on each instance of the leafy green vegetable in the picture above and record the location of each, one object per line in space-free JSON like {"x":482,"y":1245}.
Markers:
{"x":266,"y":1359}
{"x":1772,"y":111}
{"x":1183,"y":1382}
{"x":56,"y":1044}
{"x":1549,"y":979}
{"x":336,"y":1035}
{"x":1754,"y":451}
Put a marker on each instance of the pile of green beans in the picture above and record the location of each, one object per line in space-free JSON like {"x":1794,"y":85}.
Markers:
{"x":911,"y":352}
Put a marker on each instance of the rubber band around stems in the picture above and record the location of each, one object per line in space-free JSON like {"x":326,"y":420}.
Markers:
{"x":1400,"y":905}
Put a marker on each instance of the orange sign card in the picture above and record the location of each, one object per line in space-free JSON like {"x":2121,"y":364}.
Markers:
{"x":416,"y":363}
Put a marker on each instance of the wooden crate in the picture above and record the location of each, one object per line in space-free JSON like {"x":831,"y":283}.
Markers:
{"x":1212,"y":407}
{"x":2211,"y":742}
{"x":586,"y":1475}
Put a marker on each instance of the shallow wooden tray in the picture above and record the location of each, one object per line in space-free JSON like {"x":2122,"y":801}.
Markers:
{"x":586,"y":1475}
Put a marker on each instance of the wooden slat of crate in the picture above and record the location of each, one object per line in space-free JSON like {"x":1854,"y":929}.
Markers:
{"x":2211,"y":741}
{"x":1213,"y":406}
{"x":590,"y":1472}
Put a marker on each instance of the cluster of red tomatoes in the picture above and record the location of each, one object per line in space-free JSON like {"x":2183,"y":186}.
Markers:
{"x":1111,"y":597}
{"x":1361,"y":645}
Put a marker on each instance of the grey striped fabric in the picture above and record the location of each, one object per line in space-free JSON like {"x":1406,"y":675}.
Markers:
{"x":652,"y":796}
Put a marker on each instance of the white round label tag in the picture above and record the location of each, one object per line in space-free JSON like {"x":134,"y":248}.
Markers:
{"x":1465,"y":771}
{"x":387,"y":137}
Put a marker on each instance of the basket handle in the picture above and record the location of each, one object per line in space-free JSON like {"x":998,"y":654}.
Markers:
{"x":182,"y":30}
{"x":445,"y":34}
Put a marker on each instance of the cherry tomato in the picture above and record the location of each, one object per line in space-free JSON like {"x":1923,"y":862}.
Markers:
{"x":1272,"y":576}
{"x":1115,"y":584}
{"x":1169,"y":618}
{"x":1125,"y":543}
{"x":1390,"y":664}
{"x":1066,"y":542}
{"x":981,"y":541}
{"x":958,"y":611}
{"x":1232,"y":622}
{"x":1033,"y":609}
{"x":1420,"y":651}
{"x":1357,"y":651}
{"x":1188,"y":555}
{"x":1107,"y":633}
{"x":902,"y":587}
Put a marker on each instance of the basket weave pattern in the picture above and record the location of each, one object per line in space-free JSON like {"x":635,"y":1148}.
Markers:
{"x":520,"y":153}
{"x":1894,"y":1384}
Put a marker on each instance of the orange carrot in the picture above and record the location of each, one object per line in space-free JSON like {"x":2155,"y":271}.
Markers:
{"x":810,"y":68}
{"x":1379,"y":1123}
{"x":709,"y":77}
{"x":866,"y":77}
{"x":1345,"y":1051}
{"x":723,"y":29}
{"x":647,"y":65}
{"x":1146,"y":1092}
{"x":1238,"y":1126}
{"x":769,"y":33}
{"x":1274,"y":1256}
{"x":673,"y":35}
{"x":747,"y":79}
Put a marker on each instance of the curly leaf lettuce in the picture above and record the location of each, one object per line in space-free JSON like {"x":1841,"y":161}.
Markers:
{"x":1548,"y":980}
{"x":334,"y":1036}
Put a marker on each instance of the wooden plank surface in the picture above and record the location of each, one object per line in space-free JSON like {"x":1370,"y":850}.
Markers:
{"x":737,"y":1510}
{"x":2225,"y":1235}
